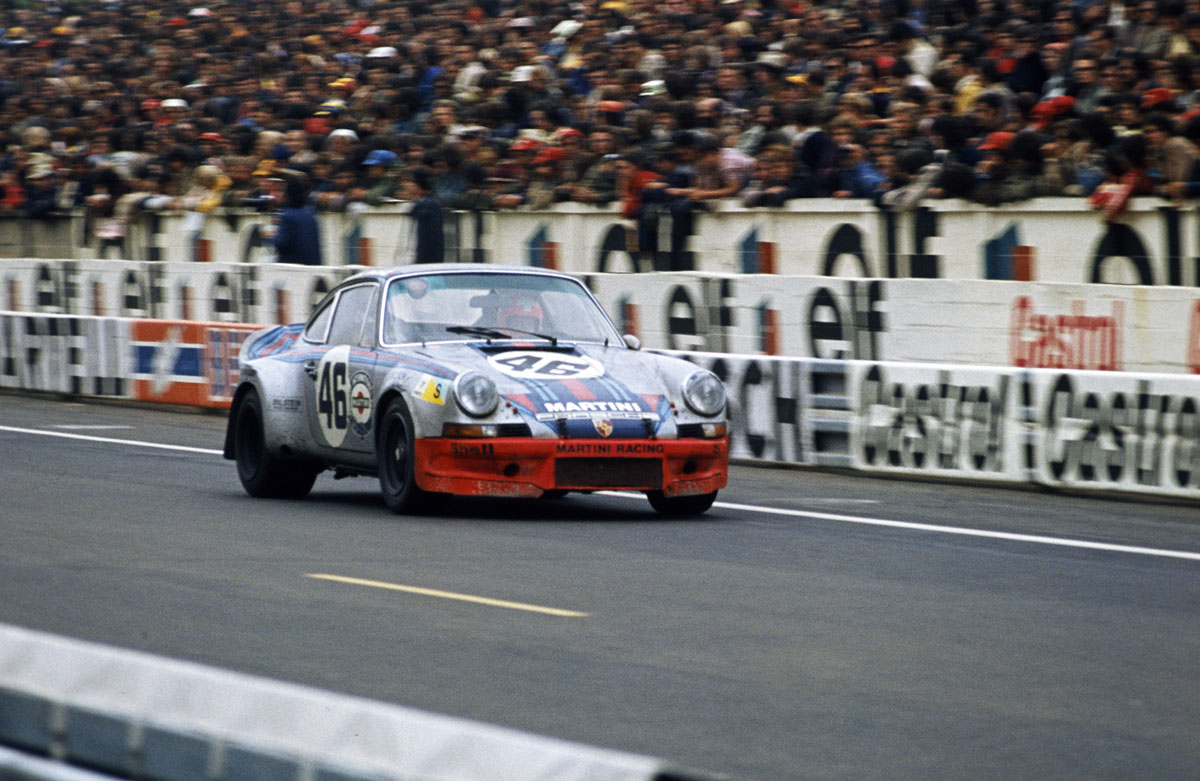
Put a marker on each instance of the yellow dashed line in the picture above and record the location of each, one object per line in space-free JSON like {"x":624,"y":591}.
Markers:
{"x":429,"y":592}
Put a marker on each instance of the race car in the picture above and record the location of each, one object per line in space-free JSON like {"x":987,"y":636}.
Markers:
{"x":473,"y":380}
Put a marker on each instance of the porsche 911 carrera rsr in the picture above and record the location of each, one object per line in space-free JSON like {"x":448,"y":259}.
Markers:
{"x":474,"y":380}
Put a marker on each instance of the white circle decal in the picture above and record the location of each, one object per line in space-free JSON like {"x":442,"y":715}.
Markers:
{"x":535,"y":365}
{"x":333,"y":395}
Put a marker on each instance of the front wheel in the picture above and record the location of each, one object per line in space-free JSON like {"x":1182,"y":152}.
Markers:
{"x":681,"y":506}
{"x":395,"y":455}
{"x":262,"y":474}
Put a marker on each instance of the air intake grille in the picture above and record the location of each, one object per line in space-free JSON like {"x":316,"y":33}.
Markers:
{"x":641,"y":473}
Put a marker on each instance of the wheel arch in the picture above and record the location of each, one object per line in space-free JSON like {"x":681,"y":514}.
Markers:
{"x":404,"y":385}
{"x":385,"y":401}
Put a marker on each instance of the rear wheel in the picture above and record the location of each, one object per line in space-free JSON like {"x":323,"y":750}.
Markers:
{"x":262,"y":474}
{"x":681,"y":506}
{"x":395,"y":456}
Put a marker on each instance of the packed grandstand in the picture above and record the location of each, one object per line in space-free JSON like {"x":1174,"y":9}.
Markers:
{"x":122,"y":107}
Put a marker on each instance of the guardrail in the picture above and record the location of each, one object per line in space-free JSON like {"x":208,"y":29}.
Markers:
{"x":70,"y":710}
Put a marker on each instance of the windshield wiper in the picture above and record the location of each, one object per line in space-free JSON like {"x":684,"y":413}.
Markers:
{"x":471,"y":330}
{"x":553,"y":340}
{"x":499,"y":333}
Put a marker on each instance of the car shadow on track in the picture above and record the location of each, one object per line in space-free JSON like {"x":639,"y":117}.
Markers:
{"x":571,"y":508}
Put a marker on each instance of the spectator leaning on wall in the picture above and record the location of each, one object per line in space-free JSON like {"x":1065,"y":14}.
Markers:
{"x":298,"y":233}
{"x":426,"y":216}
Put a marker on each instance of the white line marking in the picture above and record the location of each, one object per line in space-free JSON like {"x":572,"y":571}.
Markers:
{"x":111,"y":441}
{"x":74,"y":427}
{"x":1060,"y":542}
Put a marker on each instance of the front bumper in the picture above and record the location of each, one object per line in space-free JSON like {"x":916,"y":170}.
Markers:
{"x":530,"y":467}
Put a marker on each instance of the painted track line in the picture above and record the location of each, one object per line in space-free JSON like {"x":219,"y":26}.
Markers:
{"x":962,"y":531}
{"x":430,"y":592}
{"x":111,"y":441}
{"x":1061,"y":542}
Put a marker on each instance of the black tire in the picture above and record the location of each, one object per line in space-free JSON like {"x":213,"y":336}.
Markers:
{"x":681,"y":506}
{"x":262,"y":474}
{"x":394,"y":454}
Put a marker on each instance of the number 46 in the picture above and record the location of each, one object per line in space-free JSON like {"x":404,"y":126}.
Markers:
{"x":333,"y":393}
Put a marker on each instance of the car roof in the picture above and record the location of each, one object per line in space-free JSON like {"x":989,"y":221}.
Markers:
{"x":452,"y":268}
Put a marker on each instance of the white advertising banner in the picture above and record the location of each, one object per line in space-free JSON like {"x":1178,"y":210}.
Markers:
{"x":1081,"y":430}
{"x":1116,"y":431}
{"x":979,"y":322}
{"x":1046,"y":239}
{"x":208,"y":292}
{"x":936,"y":420}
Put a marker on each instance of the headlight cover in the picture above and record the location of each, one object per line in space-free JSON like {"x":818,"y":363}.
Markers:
{"x":475,"y":394}
{"x":704,"y":393}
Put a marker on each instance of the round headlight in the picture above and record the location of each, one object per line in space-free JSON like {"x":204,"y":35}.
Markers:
{"x":476,"y":394}
{"x":704,"y":393}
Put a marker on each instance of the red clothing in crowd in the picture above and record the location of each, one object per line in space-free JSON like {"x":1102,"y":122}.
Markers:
{"x":631,"y":193}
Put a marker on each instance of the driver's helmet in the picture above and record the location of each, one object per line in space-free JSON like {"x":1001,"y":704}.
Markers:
{"x":520,"y":311}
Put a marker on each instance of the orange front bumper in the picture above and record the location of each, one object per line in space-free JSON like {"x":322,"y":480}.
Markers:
{"x":522,"y":466}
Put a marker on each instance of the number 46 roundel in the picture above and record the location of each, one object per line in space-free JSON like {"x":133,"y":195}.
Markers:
{"x":536,"y":365}
{"x":343,"y":401}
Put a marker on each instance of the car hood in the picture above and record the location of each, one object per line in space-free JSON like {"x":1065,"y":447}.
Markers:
{"x":588,"y":389}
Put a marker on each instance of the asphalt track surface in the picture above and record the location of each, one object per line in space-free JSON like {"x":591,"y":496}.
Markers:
{"x":811,"y":625}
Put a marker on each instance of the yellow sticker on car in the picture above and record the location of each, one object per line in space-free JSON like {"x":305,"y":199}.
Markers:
{"x":434,"y":391}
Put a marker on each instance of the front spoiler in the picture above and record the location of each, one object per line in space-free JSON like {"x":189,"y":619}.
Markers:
{"x":521,"y":466}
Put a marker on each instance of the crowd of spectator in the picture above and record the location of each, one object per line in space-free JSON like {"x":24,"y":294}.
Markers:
{"x":123,"y":106}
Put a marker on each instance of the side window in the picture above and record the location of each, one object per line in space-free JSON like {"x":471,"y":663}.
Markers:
{"x":354,"y":307}
{"x":319,"y":324}
{"x":370,"y":330}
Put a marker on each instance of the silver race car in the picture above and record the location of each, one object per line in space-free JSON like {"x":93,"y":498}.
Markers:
{"x":473,"y":380}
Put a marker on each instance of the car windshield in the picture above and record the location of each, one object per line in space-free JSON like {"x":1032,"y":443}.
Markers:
{"x":441,"y":306}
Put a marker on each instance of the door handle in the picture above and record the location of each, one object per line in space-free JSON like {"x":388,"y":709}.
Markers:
{"x":310,"y":368}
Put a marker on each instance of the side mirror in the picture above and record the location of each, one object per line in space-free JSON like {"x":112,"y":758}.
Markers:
{"x":632,"y":342}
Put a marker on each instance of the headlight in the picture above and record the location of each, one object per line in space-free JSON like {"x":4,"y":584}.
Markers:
{"x":476,"y":394}
{"x":704,"y":393}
